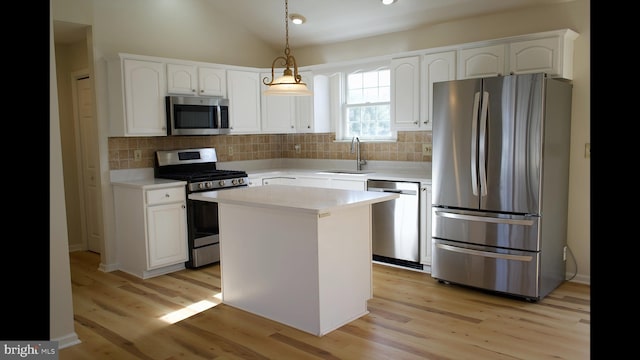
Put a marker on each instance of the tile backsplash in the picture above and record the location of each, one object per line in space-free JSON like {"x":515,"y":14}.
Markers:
{"x":267,"y":146}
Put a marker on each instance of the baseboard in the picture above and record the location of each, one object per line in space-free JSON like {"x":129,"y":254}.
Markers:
{"x":581,"y":279}
{"x":67,"y":340}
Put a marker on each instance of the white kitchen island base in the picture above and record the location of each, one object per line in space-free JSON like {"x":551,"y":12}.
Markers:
{"x":296,"y":255}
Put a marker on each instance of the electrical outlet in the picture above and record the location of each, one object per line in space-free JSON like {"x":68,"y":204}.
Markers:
{"x":296,"y":147}
{"x":564,"y":254}
{"x":137,"y":155}
{"x":230,"y":150}
{"x":426,"y":149}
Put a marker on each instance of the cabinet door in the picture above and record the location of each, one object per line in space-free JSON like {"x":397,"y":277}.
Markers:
{"x":277,"y":111}
{"x":145,"y":87}
{"x":167,"y":234}
{"x":349,"y":184}
{"x":280,"y":180}
{"x":321,"y":182}
{"x":244,"y":101}
{"x":181,"y":79}
{"x":436,"y":67}
{"x":425,"y":225}
{"x":481,"y":62}
{"x":405,"y":93}
{"x":304,"y":105}
{"x":212,"y":81}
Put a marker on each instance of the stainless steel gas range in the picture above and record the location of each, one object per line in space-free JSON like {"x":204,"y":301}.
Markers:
{"x":198,"y":168}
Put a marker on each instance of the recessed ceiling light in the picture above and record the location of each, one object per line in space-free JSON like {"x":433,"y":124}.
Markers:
{"x":297,"y":19}
{"x":388,"y":2}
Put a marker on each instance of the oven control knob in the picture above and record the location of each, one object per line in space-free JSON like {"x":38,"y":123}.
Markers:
{"x":241,"y":181}
{"x":209,"y":184}
{"x":221,"y":183}
{"x":201,"y":186}
{"x":234,"y":181}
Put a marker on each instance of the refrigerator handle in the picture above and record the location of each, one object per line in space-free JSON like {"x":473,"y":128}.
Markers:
{"x":474,"y":145}
{"x":483,"y":139}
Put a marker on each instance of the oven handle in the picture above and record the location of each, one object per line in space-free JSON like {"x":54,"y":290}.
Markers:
{"x":484,"y":253}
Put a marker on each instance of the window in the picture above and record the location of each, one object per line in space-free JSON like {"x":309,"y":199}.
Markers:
{"x":366,"y":108}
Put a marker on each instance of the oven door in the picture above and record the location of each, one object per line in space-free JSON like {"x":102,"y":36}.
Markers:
{"x":204,"y":243}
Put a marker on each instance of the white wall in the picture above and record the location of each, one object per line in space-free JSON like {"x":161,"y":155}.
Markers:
{"x":61,"y":327}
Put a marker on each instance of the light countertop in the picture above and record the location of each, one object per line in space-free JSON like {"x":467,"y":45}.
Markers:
{"x":298,"y":198}
{"x":392,"y":175}
{"x":149,"y":183}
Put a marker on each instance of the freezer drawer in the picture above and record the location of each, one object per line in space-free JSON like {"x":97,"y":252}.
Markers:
{"x":481,"y":228}
{"x":507,"y":271}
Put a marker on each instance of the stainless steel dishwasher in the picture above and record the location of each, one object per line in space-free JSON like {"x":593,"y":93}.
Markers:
{"x":396,"y":224}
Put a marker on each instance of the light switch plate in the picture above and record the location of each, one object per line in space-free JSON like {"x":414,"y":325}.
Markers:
{"x":137,"y":155}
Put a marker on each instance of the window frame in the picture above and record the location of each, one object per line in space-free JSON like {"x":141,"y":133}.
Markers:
{"x":342,"y":121}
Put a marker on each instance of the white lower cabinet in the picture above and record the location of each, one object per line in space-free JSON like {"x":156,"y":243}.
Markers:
{"x":347,"y":184}
{"x":151,"y":229}
{"x":280,"y":180}
{"x":321,"y":182}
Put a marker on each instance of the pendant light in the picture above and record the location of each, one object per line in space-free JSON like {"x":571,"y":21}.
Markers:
{"x":290,"y":83}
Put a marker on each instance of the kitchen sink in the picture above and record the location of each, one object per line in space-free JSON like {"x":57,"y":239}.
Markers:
{"x":350,"y":172}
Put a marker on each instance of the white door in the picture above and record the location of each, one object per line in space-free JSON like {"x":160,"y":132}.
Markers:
{"x":88,"y":160}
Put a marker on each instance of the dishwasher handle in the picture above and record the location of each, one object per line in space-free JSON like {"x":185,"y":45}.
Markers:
{"x":395,"y":191}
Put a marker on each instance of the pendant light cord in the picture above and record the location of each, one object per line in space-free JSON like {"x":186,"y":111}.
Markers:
{"x":286,"y":28}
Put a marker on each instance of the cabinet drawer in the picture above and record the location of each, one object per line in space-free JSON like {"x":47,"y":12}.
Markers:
{"x":164,"y":196}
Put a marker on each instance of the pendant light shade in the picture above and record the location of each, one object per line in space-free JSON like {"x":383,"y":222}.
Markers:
{"x":290,"y":83}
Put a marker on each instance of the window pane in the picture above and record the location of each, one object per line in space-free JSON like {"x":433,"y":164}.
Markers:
{"x":367,"y":105}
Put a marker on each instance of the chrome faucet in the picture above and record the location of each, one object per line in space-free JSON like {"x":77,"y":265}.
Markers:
{"x":359,"y":162}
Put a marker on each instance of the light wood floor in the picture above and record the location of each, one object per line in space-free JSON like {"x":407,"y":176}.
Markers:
{"x":412,"y":316}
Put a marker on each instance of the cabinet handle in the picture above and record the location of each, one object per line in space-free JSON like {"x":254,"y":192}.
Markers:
{"x":415,"y":123}
{"x":167,"y":195}
{"x":193,"y":90}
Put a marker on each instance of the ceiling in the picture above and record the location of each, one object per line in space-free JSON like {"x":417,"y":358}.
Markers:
{"x":330,"y":21}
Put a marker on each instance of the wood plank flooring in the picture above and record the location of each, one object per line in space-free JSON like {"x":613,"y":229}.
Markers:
{"x":412,"y":316}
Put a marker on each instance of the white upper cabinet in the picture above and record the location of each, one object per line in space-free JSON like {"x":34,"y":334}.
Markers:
{"x":288,"y":114}
{"x":212,"y":81}
{"x":187,"y":79}
{"x":550,"y":52}
{"x":304,"y":109}
{"x":552,"y":55}
{"x":243,"y":88}
{"x":182,"y":79}
{"x":137,"y":88}
{"x":485,"y":61}
{"x":278,"y":112}
{"x":405,"y":93}
{"x":435,"y":67}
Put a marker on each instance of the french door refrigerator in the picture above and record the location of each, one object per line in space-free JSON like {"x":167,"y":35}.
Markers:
{"x":500,"y":172}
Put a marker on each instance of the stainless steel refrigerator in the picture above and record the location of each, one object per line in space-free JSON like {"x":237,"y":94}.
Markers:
{"x":500,"y":183}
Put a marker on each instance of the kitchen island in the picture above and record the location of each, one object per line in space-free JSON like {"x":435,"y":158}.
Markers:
{"x":300,"y":256}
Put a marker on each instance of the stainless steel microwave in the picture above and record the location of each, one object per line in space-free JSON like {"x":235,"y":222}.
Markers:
{"x":193,"y":115}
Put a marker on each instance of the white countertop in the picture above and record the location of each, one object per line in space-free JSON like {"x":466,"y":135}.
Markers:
{"x":396,"y":175}
{"x":147,"y":183}
{"x":299,"y":198}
